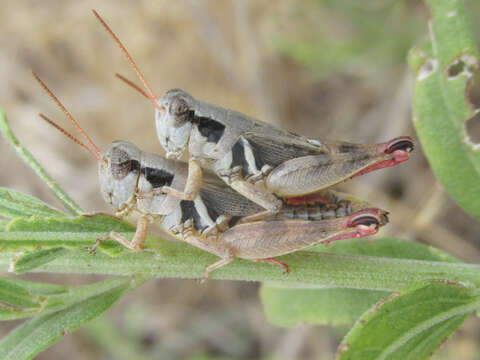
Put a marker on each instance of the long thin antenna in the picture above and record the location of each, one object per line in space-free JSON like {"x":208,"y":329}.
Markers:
{"x":152,"y":96}
{"x":67,"y":134}
{"x":133,"y":85}
{"x":67,"y":113}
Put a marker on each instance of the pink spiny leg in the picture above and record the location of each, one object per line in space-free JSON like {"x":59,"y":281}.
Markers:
{"x":400,"y":149}
{"x":285,"y":267}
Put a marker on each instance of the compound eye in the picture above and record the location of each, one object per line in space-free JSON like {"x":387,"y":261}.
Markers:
{"x":403,"y":143}
{"x":178,"y":106}
{"x":366,"y":220}
{"x":121,"y":164}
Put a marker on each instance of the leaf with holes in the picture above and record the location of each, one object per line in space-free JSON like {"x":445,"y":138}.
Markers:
{"x":410,"y":324}
{"x":444,"y":68}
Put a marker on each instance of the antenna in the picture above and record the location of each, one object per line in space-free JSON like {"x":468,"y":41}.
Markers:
{"x":67,"y":113}
{"x":67,"y":134}
{"x":132,"y":84}
{"x":153,"y":99}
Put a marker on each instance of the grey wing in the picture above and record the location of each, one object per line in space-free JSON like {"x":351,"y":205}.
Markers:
{"x":274,"y":149}
{"x":222,"y":199}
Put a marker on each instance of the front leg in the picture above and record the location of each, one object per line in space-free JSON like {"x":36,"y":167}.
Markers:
{"x":193,"y":185}
{"x":138,"y":239}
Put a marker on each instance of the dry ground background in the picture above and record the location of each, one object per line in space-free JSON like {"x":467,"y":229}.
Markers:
{"x":322,"y":68}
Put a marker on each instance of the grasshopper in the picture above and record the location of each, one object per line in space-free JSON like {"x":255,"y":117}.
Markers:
{"x":260,"y":161}
{"x":219,"y":220}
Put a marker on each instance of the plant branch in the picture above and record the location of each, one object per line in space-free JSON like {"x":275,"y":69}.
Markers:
{"x":30,"y":160}
{"x":309,"y":269}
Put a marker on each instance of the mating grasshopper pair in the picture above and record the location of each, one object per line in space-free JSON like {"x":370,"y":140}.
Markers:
{"x":258,"y":160}
{"x":269,"y":202}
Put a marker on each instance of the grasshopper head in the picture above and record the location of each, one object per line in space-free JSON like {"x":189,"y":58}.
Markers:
{"x":174,"y":122}
{"x":118,"y":172}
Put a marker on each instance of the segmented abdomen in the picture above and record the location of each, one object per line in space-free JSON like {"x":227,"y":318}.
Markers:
{"x":317,"y":211}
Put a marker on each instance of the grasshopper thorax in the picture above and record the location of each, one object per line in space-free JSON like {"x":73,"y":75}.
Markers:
{"x":118,"y":173}
{"x":174,"y":123}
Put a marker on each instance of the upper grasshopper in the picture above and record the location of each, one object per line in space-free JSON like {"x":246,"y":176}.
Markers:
{"x":219,"y":220}
{"x":256,"y":159}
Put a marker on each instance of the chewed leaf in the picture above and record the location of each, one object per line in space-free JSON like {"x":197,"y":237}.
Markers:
{"x":411,"y":324}
{"x":444,"y":68}
{"x":15,"y":204}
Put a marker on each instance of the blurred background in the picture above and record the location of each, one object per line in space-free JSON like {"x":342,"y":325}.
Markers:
{"x":334,"y":69}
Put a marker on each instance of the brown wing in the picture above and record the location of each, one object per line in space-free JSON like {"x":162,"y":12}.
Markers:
{"x":275,"y":149}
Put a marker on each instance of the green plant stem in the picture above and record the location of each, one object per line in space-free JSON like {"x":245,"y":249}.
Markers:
{"x":308,"y":269}
{"x":30,"y":160}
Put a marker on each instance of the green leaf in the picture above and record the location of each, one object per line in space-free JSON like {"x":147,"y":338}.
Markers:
{"x":386,"y":247}
{"x":30,"y":261}
{"x":411,"y":324}
{"x":288,"y":307}
{"x":33,"y":336}
{"x":30,"y":160}
{"x":20,"y":298}
{"x":3,"y":224}
{"x":443,"y":68}
{"x":38,"y":233}
{"x":16,"y":204}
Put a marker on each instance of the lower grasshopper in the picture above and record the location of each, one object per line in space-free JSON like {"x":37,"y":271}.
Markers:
{"x":256,"y":159}
{"x":219,"y":220}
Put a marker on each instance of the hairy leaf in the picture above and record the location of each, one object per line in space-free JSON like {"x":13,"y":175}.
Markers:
{"x":410,"y":324}
{"x":33,"y":336}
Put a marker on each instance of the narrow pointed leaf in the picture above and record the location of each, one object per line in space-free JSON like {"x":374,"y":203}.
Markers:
{"x":20,"y":298}
{"x":32,"y":260}
{"x":33,"y":336}
{"x":15,"y":204}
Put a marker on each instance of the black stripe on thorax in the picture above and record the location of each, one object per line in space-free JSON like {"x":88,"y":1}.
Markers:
{"x":209,"y":128}
{"x":157,"y":177}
